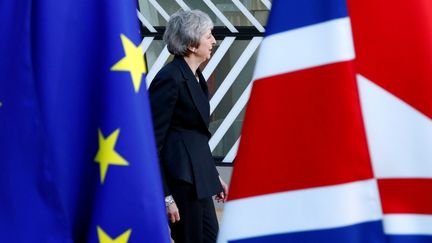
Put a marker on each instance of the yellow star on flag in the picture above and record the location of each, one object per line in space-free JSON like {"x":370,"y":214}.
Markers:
{"x":105,"y":238}
{"x":106,"y":154}
{"x":133,"y":62}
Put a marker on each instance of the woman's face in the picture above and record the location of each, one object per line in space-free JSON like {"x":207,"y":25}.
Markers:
{"x":206,"y":44}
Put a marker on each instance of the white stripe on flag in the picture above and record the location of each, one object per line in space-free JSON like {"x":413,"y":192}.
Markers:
{"x":408,"y":224}
{"x":399,"y":136}
{"x":301,"y":210}
{"x":315,"y":45}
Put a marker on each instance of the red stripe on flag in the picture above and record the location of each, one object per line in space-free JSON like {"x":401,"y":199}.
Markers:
{"x":302,"y":129}
{"x":393,"y":44}
{"x":413,"y":196}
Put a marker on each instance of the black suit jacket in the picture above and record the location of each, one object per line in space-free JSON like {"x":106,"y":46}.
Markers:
{"x":181,"y":116}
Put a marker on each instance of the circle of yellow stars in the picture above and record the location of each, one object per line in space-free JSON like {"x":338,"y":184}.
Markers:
{"x":132,"y":62}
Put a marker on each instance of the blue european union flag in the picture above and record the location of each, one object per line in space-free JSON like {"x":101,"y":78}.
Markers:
{"x":77,"y":155}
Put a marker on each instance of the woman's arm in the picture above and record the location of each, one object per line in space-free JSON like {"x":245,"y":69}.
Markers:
{"x":163,"y":94}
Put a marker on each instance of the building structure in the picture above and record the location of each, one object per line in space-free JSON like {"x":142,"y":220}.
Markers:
{"x":239,"y":30}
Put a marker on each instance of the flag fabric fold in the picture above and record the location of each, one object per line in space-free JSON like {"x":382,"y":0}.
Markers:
{"x":325,"y":156}
{"x":78,"y":161}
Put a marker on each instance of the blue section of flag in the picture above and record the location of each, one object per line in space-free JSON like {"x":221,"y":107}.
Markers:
{"x":409,"y":238}
{"x":56,"y":91}
{"x":291,"y":14}
{"x":29,"y":207}
{"x":370,"y":232}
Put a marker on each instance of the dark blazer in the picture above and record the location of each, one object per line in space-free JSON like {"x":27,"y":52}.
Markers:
{"x":181,"y":116}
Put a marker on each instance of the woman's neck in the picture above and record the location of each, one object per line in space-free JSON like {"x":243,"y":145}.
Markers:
{"x":193,"y":63}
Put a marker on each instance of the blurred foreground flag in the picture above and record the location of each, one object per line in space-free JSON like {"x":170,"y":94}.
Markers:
{"x":393,"y":42}
{"x":330,"y":141}
{"x":77,"y":157}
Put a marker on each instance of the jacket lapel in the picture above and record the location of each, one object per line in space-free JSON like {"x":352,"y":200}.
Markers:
{"x":197,"y":90}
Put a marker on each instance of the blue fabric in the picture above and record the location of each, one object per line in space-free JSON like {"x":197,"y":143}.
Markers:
{"x":57,"y":91}
{"x":292,"y":14}
{"x":409,"y":238}
{"x":370,"y":232}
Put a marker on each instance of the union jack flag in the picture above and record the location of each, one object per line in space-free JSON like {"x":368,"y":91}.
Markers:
{"x":337,"y":140}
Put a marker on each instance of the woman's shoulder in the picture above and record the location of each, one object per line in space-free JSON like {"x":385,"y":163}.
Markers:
{"x":170,"y":69}
{"x":170,"y":72}
{"x":170,"y":75}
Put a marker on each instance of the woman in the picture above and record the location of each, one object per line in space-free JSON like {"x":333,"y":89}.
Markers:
{"x":181,"y":115}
